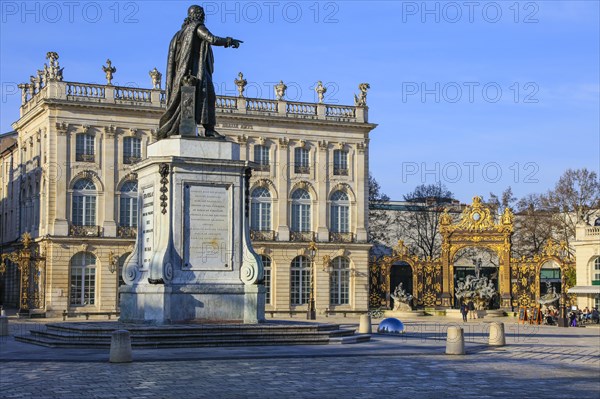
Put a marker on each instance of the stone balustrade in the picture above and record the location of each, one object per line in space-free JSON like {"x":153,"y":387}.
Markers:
{"x":593,"y":231}
{"x":108,"y":94}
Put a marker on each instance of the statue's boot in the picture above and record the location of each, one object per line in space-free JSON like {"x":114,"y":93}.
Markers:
{"x":209,"y":131}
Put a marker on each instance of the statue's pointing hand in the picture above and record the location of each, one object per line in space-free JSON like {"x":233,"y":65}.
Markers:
{"x":235,"y":43}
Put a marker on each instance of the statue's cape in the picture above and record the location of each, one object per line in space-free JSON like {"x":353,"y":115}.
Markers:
{"x":188,"y":55}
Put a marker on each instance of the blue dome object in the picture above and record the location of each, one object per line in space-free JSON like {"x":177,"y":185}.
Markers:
{"x":390,"y":325}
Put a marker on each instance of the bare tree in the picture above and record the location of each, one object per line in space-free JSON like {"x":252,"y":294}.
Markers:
{"x":419,"y":224}
{"x":576,"y":197}
{"x":379,"y":219}
{"x":534,"y":225}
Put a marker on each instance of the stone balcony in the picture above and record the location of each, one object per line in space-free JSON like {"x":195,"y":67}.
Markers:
{"x":155,"y":98}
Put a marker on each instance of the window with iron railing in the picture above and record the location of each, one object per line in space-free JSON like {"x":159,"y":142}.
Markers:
{"x":301,"y":160}
{"x":260,"y":209}
{"x":301,"y":221}
{"x":132,"y":150}
{"x":340,"y":213}
{"x":128,"y":211}
{"x":84,"y":148}
{"x":84,"y":203}
{"x":340,"y":163}
{"x":261,"y":157}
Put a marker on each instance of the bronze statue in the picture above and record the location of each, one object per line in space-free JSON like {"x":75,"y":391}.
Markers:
{"x":191,"y":56}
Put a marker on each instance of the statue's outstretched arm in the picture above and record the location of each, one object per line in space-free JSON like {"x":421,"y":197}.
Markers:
{"x":216,"y":40}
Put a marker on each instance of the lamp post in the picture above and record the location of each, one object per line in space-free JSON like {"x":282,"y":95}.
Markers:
{"x":311,"y":313}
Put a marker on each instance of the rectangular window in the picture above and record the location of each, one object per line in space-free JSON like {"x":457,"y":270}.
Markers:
{"x":260,"y":216}
{"x":340,"y":163}
{"x":340,"y":220}
{"x":84,"y":210}
{"x":132,"y":150}
{"x":84,"y":148}
{"x":128,"y":212}
{"x":300,"y":217}
{"x":339,"y":292}
{"x":301,"y":161}
{"x":267,"y":274}
{"x":300,"y":286}
{"x":76,"y":285}
{"x":261,"y":154}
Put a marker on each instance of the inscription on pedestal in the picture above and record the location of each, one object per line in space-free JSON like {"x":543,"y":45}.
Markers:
{"x":207,"y":227}
{"x":147,"y":228}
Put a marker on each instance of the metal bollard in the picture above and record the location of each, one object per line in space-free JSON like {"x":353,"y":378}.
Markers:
{"x":3,"y":326}
{"x":497,"y":337}
{"x":120,"y":347}
{"x":365,"y":324}
{"x":455,"y":341}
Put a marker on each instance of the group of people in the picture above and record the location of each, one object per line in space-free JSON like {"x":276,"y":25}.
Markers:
{"x":584,"y":316}
{"x":468,"y":309}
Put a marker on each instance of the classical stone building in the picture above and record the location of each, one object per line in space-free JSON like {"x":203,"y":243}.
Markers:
{"x":587,"y":254}
{"x":66,"y":180}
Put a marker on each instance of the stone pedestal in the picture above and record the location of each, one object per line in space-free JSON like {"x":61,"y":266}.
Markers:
{"x":193,"y":260}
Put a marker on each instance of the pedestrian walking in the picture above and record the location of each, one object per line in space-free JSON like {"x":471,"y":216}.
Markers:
{"x":464,"y":309}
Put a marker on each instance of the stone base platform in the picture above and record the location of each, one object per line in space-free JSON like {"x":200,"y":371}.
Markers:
{"x":98,"y":335}
{"x":398,"y":314}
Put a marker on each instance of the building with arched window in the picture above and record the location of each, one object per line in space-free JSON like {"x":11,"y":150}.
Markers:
{"x":67,"y":179}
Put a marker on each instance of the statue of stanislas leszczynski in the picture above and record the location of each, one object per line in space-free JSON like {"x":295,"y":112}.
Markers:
{"x":191,"y":60}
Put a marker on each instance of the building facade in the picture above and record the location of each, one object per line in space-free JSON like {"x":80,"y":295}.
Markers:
{"x":67,"y":181}
{"x":587,"y":255}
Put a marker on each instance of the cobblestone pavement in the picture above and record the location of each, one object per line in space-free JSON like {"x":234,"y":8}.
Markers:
{"x":541,"y":361}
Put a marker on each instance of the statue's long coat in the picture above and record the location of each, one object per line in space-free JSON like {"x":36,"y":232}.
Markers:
{"x":190,"y":53}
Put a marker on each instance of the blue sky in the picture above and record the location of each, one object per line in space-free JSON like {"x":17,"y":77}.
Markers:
{"x":480,"y":95}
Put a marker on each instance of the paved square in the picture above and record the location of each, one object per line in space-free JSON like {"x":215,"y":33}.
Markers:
{"x":538,"y":361}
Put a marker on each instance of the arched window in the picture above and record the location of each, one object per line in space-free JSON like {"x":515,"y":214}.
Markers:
{"x":301,"y":211}
{"x":266,"y":261}
{"x":128,"y":204}
{"x":597,"y":222}
{"x":597,"y":269}
{"x":300,"y":281}
{"x":132,"y":150}
{"x":83,"y":279}
{"x":340,"y":213}
{"x":84,"y":203}
{"x":260,"y":210}
{"x":339,"y":281}
{"x":84,"y":147}
{"x":301,"y":160}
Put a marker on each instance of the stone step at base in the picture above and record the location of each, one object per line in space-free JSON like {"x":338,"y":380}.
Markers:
{"x":62,"y":336}
{"x":98,"y":335}
{"x":173,"y":344}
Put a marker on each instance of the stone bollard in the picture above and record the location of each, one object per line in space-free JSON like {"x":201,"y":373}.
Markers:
{"x":497,"y":337}
{"x":365,"y":324}
{"x":3,"y":326}
{"x":120,"y":347}
{"x":455,"y":341}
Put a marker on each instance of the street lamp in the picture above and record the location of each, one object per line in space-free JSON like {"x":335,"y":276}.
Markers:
{"x":311,"y":313}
